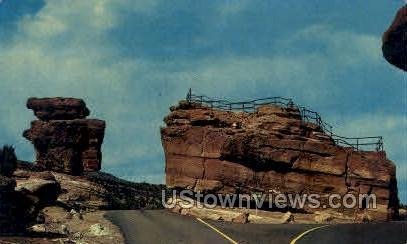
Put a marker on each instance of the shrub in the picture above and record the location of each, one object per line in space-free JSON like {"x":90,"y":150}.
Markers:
{"x":8,"y":161}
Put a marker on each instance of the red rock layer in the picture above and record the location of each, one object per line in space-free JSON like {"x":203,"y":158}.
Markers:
{"x":271,"y":150}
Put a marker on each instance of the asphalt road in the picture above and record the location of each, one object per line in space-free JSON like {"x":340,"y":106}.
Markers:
{"x":158,"y":226}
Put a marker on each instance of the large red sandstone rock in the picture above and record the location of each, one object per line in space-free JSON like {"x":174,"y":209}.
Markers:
{"x":395,"y":40}
{"x":271,"y":150}
{"x":64,"y":140}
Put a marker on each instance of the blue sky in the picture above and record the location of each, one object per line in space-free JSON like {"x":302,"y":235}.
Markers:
{"x":130,"y":60}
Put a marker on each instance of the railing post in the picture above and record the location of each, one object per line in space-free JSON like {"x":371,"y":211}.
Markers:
{"x":380,"y":144}
{"x":189,"y":95}
{"x":357,"y":144}
{"x":290,"y":103}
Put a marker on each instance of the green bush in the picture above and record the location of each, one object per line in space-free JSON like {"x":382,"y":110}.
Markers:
{"x":8,"y":161}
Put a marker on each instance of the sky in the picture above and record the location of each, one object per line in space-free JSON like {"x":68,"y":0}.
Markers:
{"x":130,"y":60}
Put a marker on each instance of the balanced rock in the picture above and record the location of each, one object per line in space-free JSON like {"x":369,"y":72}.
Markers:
{"x":65,"y":141}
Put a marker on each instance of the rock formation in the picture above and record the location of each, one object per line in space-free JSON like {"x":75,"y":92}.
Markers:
{"x":31,"y":191}
{"x":395,"y":40}
{"x":64,"y":140}
{"x":18,"y":207}
{"x":91,"y":191}
{"x":64,"y":190}
{"x":270,"y":150}
{"x":6,"y":205}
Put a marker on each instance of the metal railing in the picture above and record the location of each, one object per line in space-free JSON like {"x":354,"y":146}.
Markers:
{"x":307,"y":115}
{"x":246,"y":106}
{"x":360,"y":143}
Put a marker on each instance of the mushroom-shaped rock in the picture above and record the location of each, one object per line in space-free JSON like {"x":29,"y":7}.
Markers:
{"x":64,"y":140}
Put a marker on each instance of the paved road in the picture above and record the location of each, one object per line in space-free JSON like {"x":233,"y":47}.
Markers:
{"x":380,"y":233}
{"x":164,"y":227}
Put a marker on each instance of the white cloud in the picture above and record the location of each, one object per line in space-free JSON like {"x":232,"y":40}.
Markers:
{"x":232,"y":7}
{"x":342,"y":47}
{"x":289,"y":74}
{"x":42,"y":26}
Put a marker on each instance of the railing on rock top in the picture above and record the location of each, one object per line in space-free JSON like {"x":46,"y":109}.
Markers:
{"x":356,"y":143}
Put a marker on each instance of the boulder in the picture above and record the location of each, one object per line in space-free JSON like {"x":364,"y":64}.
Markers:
{"x":58,"y":108}
{"x":18,"y":209}
{"x":323,"y":217}
{"x":47,"y":191}
{"x":39,"y":228}
{"x":288,"y":217}
{"x":242,"y":218}
{"x":99,"y":230}
{"x":394,"y":40}
{"x":73,"y":214}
